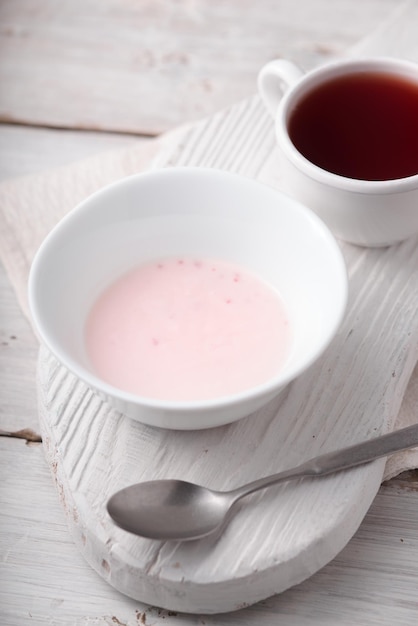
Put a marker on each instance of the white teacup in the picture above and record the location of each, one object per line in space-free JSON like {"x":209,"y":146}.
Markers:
{"x":367,"y":212}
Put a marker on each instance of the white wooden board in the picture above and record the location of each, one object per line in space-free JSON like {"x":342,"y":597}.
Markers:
{"x":279,"y":538}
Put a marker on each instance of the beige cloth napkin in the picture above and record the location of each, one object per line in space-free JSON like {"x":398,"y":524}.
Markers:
{"x":30,"y":206}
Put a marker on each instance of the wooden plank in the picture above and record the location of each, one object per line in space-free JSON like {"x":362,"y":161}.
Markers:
{"x":28,"y":150}
{"x":148,"y":66}
{"x":18,"y":354}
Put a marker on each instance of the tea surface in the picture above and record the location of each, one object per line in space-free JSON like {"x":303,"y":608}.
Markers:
{"x":363,"y":126}
{"x":188,"y":329}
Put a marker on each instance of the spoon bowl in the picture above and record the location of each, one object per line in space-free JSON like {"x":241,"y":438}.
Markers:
{"x":169,"y":509}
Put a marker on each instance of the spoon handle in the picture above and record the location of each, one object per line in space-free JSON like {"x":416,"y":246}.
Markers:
{"x":339,"y":460}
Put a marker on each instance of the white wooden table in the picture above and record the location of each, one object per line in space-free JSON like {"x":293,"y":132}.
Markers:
{"x":66,"y":70}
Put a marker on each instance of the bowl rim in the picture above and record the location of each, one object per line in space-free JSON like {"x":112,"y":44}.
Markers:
{"x":102,"y":387}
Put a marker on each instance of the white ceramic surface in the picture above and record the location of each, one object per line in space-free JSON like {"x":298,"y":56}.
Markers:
{"x":369,"y":213}
{"x":193,"y":212}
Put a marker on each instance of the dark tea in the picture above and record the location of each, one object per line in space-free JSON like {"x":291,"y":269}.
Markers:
{"x":362,"y":125}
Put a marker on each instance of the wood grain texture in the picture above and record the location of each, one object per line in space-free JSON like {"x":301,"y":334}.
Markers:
{"x":147,"y":66}
{"x":27,"y":150}
{"x":18,"y":355}
{"x":352,"y":393}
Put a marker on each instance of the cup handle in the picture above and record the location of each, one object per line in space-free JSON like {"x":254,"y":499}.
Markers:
{"x":274,"y":79}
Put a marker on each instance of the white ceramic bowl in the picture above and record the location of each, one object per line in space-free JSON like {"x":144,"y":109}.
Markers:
{"x":195,"y":212}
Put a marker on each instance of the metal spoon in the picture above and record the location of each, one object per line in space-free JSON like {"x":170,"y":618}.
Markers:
{"x":179,"y":510}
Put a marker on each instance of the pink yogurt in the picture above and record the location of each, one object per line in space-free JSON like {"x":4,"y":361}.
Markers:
{"x":182,"y":329}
